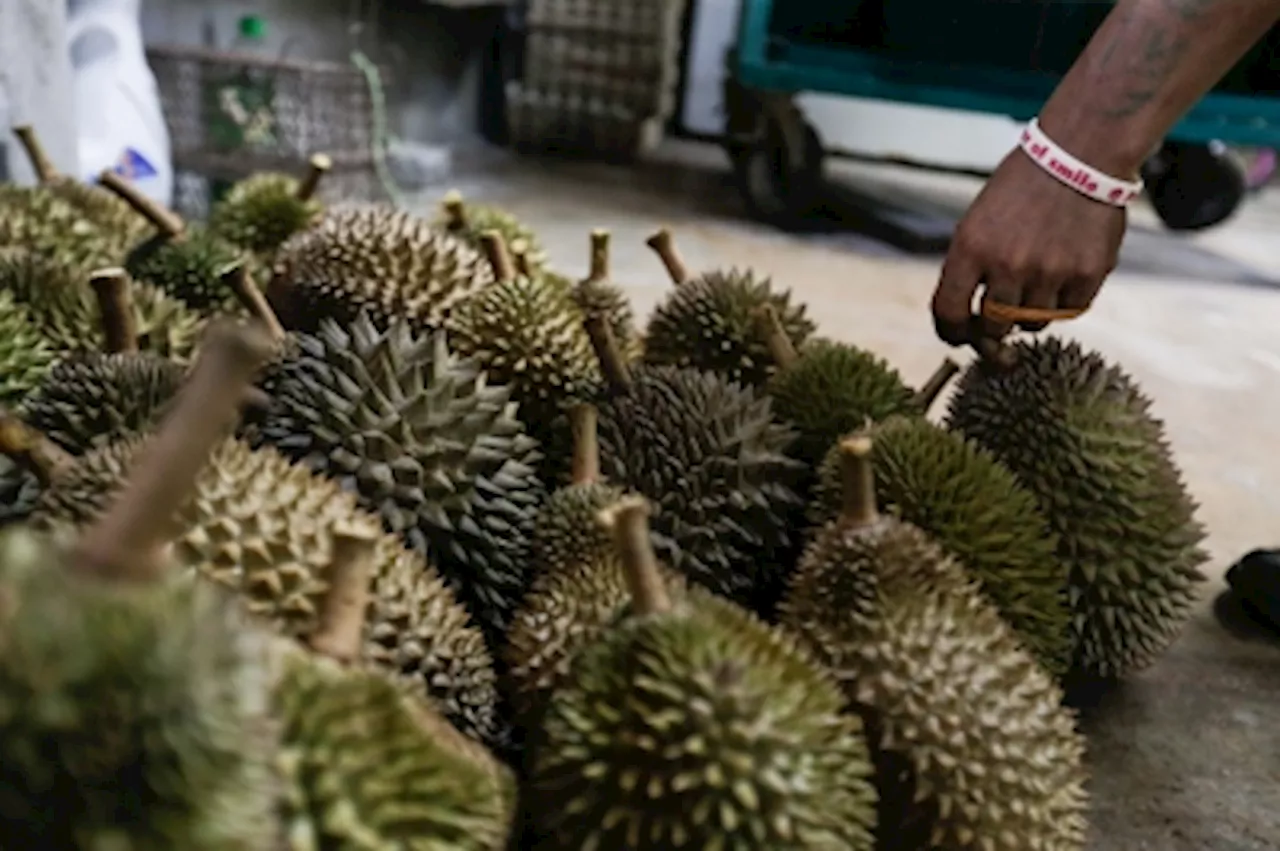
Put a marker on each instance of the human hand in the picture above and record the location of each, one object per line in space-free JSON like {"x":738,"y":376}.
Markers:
{"x":1031,"y":242}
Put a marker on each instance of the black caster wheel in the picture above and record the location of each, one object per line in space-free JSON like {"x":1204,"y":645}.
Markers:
{"x":780,"y":174}
{"x":1194,"y":187}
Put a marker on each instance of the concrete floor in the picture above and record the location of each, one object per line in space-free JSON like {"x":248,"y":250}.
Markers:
{"x":1186,"y":756}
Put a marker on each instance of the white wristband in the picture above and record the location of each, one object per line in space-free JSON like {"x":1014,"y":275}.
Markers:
{"x":1085,"y":179}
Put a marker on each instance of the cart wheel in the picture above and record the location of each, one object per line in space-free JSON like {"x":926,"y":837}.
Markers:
{"x":1193,"y":187}
{"x":780,"y":185}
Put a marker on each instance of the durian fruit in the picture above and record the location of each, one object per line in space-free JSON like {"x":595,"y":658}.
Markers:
{"x":709,"y":322}
{"x":34,"y":219}
{"x":64,"y":305}
{"x":365,"y":765}
{"x":374,"y":258}
{"x":426,"y":443}
{"x":978,"y":513}
{"x":827,"y":389}
{"x":691,"y":724}
{"x":974,"y":750}
{"x":259,"y":213}
{"x":528,"y":336}
{"x":263,"y":528}
{"x":596,"y":294}
{"x":469,"y":221}
{"x":134,"y":705}
{"x":711,"y":456}
{"x":28,"y":462}
{"x":25,"y":354}
{"x":1079,"y":434}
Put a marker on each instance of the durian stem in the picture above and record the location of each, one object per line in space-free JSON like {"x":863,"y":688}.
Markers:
{"x":317,"y":167}
{"x":599,"y":270}
{"x":664,"y":244}
{"x":240,"y":282}
{"x":35,"y":452}
{"x":858,"y":484}
{"x":612,"y":364}
{"x":994,"y":353}
{"x":628,"y":519}
{"x":932,"y":389}
{"x":39,"y":159}
{"x":125,"y":543}
{"x":586,"y":446}
{"x":166,"y":221}
{"x":775,"y":336}
{"x":115,"y":303}
{"x":455,"y":210}
{"x":520,"y":253}
{"x":495,"y":248}
{"x":339,"y":632}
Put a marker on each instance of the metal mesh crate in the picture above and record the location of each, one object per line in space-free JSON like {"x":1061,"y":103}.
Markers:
{"x":233,"y":114}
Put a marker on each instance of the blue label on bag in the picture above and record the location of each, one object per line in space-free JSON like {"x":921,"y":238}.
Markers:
{"x":133,"y":165}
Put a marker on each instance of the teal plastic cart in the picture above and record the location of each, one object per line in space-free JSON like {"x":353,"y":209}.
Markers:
{"x":989,"y":56}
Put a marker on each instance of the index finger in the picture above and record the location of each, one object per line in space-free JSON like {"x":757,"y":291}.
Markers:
{"x":953,"y":299}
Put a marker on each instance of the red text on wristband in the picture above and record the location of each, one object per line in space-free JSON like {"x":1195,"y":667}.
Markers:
{"x":1085,"y":179}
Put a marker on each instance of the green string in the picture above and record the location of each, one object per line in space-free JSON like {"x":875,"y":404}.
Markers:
{"x":377,"y":100}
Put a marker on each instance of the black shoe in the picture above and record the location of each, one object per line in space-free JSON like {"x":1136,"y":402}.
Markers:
{"x":1255,"y":579}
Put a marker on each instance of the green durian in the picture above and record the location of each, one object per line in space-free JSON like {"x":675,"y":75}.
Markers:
{"x":711,"y":456}
{"x":709,"y":322}
{"x":469,"y":221}
{"x":34,"y":219}
{"x":596,"y":294}
{"x":426,"y":443}
{"x":979,"y":514}
{"x":28,"y":461}
{"x":64,"y":304}
{"x":19,"y":490}
{"x":973,"y":748}
{"x":263,"y":528}
{"x":190,"y":267}
{"x":259,"y":213}
{"x":366,"y":257}
{"x":25,"y":354}
{"x":1079,"y":434}
{"x":691,"y":724}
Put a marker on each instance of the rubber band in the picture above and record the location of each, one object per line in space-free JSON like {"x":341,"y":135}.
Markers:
{"x":1066,"y":169}
{"x":1015,"y":313}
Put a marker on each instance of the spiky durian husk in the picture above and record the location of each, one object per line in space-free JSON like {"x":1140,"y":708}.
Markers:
{"x":710,"y":323}
{"x":35,"y":219}
{"x":606,"y":299}
{"x":568,"y":608}
{"x":426,"y":443}
{"x":528,"y":335}
{"x":710,"y":456}
{"x":369,"y":767}
{"x":833,"y":389}
{"x":264,"y":528}
{"x":387,"y":262}
{"x":261,"y":211}
{"x":88,"y":400}
{"x":64,"y":306}
{"x":1079,"y":435}
{"x":978,"y":512}
{"x":131,"y":715}
{"x":483,"y":217}
{"x":974,"y":750}
{"x":766,"y":758}
{"x":25,"y":354}
{"x":190,"y":268}
{"x":567,"y":529}
{"x":19,"y":491}
{"x":103,"y":208}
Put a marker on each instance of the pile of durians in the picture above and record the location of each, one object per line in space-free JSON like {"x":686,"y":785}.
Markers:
{"x":331,"y":526}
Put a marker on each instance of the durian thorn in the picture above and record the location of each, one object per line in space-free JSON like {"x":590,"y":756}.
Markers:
{"x":628,"y":521}
{"x":169,"y":223}
{"x":495,"y":248}
{"x":612,"y":364}
{"x":340,"y":629}
{"x":586,"y":447}
{"x":932,"y":389}
{"x":775,"y":336}
{"x":599,"y":269}
{"x":238,"y":279}
{"x":126,"y":542}
{"x":520,"y":254}
{"x":455,"y":210}
{"x":664,"y":245}
{"x":36,"y":155}
{"x":858,"y":484}
{"x":115,"y":302}
{"x":35,"y":452}
{"x":318,"y":165}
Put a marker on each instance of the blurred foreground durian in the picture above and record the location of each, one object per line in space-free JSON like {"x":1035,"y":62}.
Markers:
{"x":1078,"y":433}
{"x":259,"y":213}
{"x":973,"y":749}
{"x":691,"y":724}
